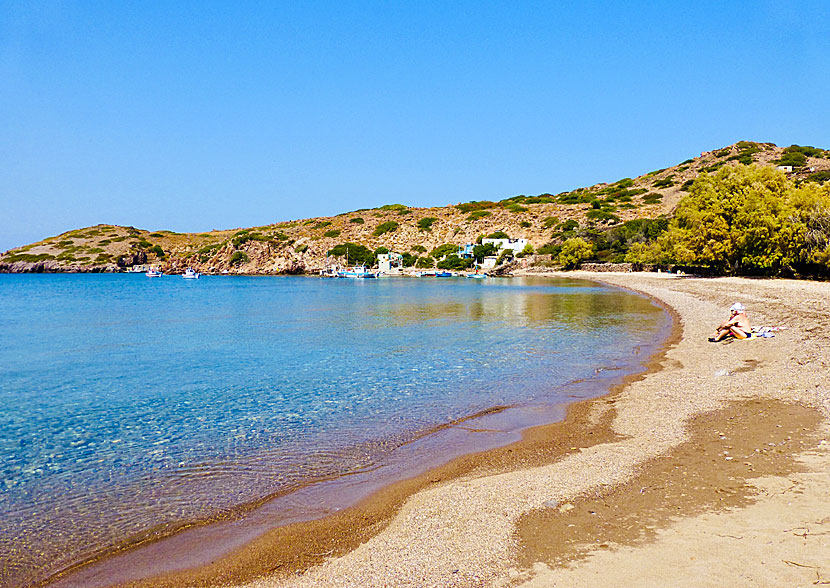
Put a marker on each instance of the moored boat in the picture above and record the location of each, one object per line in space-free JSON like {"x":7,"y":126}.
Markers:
{"x":358,"y":271}
{"x":154,"y":273}
{"x":190,"y":274}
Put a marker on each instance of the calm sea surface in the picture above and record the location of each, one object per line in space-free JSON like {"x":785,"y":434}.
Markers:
{"x":129,"y":405}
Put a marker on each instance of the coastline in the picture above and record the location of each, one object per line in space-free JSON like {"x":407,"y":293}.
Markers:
{"x":462,"y":524}
{"x":483,"y":432}
{"x":463,"y":532}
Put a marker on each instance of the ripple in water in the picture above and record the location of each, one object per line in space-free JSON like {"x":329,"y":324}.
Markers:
{"x":132,"y":406}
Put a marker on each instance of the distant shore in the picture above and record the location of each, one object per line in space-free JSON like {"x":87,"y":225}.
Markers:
{"x":713,"y":465}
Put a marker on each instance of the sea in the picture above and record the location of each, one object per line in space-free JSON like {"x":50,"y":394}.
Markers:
{"x":132,"y":407}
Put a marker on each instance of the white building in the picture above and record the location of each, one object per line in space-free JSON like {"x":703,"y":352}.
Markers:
{"x":516,"y":245}
{"x":489,"y":262}
{"x":785,"y":168}
{"x":390,"y":262}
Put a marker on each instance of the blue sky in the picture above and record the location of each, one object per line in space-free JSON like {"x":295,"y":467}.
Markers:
{"x":192,"y":116}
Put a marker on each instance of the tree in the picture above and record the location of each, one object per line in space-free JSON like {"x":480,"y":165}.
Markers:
{"x":356,"y":254}
{"x":482,"y":251}
{"x":574,"y":251}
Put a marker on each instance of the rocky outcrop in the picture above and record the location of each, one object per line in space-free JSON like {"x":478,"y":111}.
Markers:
{"x":53,"y":267}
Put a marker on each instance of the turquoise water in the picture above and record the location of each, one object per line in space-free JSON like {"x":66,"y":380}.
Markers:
{"x":130,"y":405}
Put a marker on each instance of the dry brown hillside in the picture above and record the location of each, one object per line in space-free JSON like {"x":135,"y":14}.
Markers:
{"x":301,"y":246}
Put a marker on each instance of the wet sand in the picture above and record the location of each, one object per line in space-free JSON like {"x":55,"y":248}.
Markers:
{"x":712,"y":469}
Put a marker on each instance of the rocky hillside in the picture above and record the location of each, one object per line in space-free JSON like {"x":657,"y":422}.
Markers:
{"x":301,"y":246}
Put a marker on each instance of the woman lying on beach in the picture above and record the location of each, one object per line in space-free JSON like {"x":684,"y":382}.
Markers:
{"x":737,"y":325}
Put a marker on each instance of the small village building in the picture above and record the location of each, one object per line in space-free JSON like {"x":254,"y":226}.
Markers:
{"x":515,"y":245}
{"x":785,"y":168}
{"x":390,"y":262}
{"x":466,"y":251}
{"x":489,"y":262}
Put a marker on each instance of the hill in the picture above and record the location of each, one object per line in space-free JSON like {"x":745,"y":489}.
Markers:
{"x":301,"y":246}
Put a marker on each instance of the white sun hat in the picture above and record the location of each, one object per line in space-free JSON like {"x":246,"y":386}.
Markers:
{"x":737,"y":307}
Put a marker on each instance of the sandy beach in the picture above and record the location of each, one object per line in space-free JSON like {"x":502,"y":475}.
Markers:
{"x":744,"y":499}
{"x":711,"y":469}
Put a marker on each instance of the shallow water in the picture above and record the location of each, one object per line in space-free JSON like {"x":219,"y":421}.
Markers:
{"x":131,"y":405}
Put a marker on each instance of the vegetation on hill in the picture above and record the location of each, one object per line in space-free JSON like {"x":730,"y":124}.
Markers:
{"x":710,"y":211}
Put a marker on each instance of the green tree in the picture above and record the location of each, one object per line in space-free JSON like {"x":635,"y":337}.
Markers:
{"x":356,"y":254}
{"x":574,"y":251}
{"x":482,"y":251}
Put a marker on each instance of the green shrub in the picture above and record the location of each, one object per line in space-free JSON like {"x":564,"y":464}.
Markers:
{"x":602,"y":215}
{"x":239,"y":257}
{"x":652,"y":198}
{"x":552,"y":249}
{"x":279,"y":236}
{"x":516,"y":208}
{"x":384,"y":228}
{"x":355,"y":253}
{"x":356,"y":220}
{"x":576,"y":197}
{"x":453,"y":262}
{"x":301,"y":248}
{"x":478,"y":214}
{"x":568,"y":225}
{"x":155,"y":249}
{"x":425,"y":224}
{"x":425,"y":262}
{"x":408,"y":260}
{"x":498,"y":235}
{"x":819,"y":177}
{"x":793,"y":158}
{"x":482,"y":251}
{"x":475,"y":205}
{"x":419,"y":249}
{"x":397,"y":207}
{"x":242,"y":237}
{"x":550,"y":221}
{"x":524,"y":224}
{"x":322,"y":224}
{"x":332,"y":233}
{"x":805,"y":150}
{"x":574,"y":252}
{"x":381,"y":250}
{"x":28,"y":257}
{"x":445,"y":249}
{"x":157,"y":235}
{"x":665,"y":182}
{"x":686,"y":185}
{"x":528,"y":250}
{"x":404,"y":212}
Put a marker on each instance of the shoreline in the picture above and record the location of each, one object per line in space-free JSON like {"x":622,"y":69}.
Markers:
{"x":465,"y":532}
{"x":460,"y":525}
{"x":248,"y":559}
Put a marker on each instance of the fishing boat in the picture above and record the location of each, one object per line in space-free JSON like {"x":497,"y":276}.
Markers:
{"x":477,"y":276}
{"x":358,"y":271}
{"x":154,"y":273}
{"x":444,"y":275}
{"x":190,"y":274}
{"x":426,"y":274}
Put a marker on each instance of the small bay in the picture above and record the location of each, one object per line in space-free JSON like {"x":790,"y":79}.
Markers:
{"x":131,"y":405}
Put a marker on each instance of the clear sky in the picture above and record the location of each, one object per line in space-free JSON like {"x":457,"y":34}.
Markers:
{"x":191,"y":116}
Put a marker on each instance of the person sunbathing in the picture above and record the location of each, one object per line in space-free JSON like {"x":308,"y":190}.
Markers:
{"x":737,"y":325}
